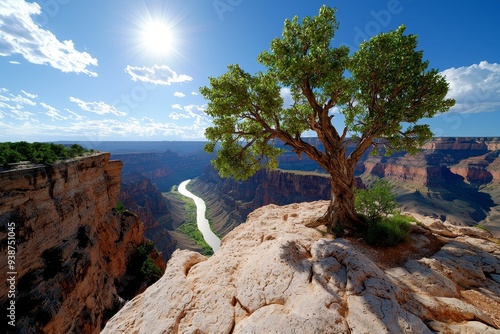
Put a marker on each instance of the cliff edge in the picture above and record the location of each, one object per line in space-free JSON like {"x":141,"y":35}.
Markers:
{"x":72,"y":248}
{"x":274,"y":275}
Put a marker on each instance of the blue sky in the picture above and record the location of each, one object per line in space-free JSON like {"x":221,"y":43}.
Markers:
{"x":131,"y":70}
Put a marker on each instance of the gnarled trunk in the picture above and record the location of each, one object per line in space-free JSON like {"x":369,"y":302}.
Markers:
{"x":341,"y":211}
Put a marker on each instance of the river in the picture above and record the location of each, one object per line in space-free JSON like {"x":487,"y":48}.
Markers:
{"x":202,"y":222}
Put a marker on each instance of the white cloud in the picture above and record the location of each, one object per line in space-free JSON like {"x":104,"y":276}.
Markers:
{"x":31,"y":96}
{"x":13,"y":62}
{"x":99,"y":107}
{"x":21,"y":115}
{"x":475,"y":88}
{"x":74,"y":115}
{"x":179,"y":94}
{"x":286,"y":96}
{"x":19,"y":34}
{"x":14,"y":102}
{"x":199,"y":121}
{"x":99,"y":130}
{"x":53,"y":112}
{"x":176,"y":116}
{"x":188,"y":111}
{"x":194,"y":93}
{"x":158,"y":75}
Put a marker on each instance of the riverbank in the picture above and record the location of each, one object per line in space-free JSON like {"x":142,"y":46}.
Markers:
{"x":202,"y":222}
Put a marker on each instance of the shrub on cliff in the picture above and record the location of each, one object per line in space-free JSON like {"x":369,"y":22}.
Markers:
{"x":388,"y":231}
{"x":376,"y":201}
{"x":141,"y":270}
{"x":386,"y":227}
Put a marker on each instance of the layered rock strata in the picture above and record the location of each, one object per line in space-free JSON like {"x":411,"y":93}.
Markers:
{"x":274,"y":275}
{"x":140,"y":196}
{"x":230,"y":201}
{"x":72,"y":249}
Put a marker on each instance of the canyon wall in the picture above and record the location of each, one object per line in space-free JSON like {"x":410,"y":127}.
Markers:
{"x":140,"y":196}
{"x":456,"y":179}
{"x":164,"y":169}
{"x":72,"y":248}
{"x":230,"y":201}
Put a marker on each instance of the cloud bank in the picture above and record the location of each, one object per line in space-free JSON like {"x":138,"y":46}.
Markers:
{"x":19,"y":34}
{"x":476,"y":88}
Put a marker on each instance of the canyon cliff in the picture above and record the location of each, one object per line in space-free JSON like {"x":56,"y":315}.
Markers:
{"x":144,"y":199}
{"x":230,"y":201}
{"x":72,"y":247}
{"x":164,"y":169}
{"x":272,"y":274}
{"x":456,"y":179}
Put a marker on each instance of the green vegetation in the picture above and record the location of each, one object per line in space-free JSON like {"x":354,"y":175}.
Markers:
{"x":190,"y":226}
{"x":383,"y":89}
{"x":386,"y":227}
{"x":40,"y":153}
{"x":376,"y":201}
{"x":120,"y":208}
{"x":481,"y":227}
{"x":149,"y":270}
{"x":142,"y":269}
{"x":388,"y":231}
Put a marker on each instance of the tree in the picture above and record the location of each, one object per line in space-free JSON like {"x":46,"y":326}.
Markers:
{"x":383,"y":90}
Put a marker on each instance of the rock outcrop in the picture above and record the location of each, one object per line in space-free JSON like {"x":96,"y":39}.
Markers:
{"x":72,"y":249}
{"x":274,"y":275}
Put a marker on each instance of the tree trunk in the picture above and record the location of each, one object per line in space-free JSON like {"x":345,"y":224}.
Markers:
{"x":341,"y":212}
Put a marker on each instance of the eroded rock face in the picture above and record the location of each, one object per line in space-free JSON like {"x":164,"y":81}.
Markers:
{"x":140,"y":196}
{"x":71,"y":247}
{"x":274,"y":275}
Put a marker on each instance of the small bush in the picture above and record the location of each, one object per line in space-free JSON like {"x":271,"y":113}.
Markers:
{"x":120,"y":208}
{"x":151,"y":271}
{"x":388,"y":231}
{"x":375,"y":202}
{"x":145,"y":249}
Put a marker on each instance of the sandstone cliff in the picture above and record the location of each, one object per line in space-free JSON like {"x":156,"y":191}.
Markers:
{"x":72,"y":248}
{"x":274,"y":275}
{"x":140,"y":196}
{"x":230,"y":201}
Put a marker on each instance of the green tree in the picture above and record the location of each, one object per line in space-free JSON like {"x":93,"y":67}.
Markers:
{"x":383,"y":90}
{"x":376,"y":201}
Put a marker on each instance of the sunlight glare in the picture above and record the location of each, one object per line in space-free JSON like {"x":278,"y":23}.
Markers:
{"x":157,"y":37}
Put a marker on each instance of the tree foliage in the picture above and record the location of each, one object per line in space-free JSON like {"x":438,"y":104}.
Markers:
{"x":43,"y":153}
{"x":383,"y":89}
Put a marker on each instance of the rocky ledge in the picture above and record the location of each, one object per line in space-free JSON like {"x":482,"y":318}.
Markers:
{"x":274,"y":275}
{"x":72,"y":248}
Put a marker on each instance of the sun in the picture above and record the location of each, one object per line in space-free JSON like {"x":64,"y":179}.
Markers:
{"x":157,"y":37}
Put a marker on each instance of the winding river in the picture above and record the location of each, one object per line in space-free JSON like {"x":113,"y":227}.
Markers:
{"x":201,"y":221}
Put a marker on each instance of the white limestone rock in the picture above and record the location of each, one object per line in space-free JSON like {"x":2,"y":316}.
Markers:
{"x":275,"y":275}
